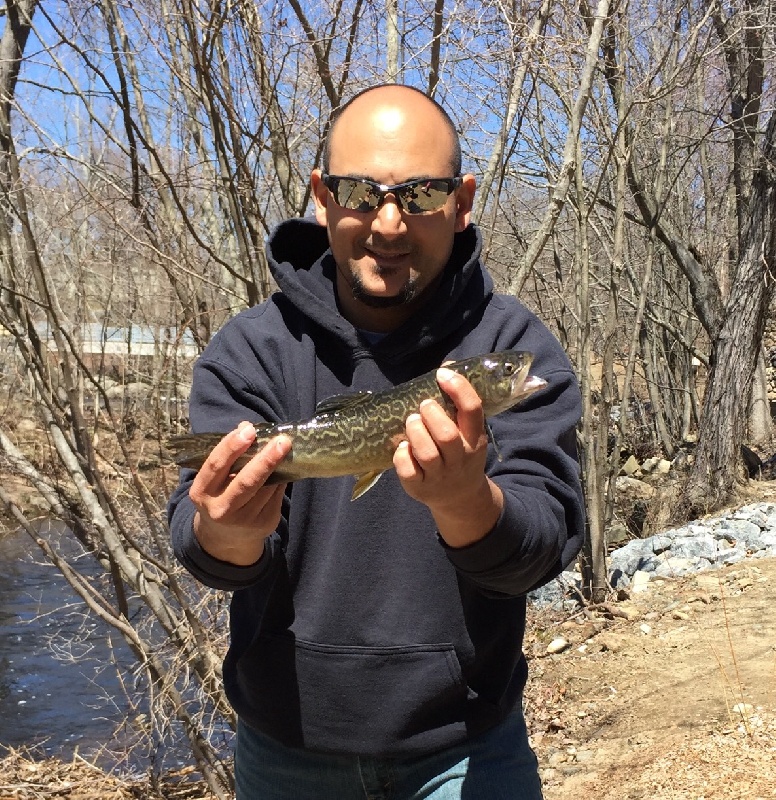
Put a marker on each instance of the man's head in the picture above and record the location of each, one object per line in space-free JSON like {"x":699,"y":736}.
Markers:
{"x":390,"y":248}
{"x":456,"y":159}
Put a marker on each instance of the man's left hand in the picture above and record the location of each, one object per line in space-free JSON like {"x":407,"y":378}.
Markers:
{"x":442,"y":463}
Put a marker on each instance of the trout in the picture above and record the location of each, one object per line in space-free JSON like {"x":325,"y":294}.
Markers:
{"x":357,"y":434}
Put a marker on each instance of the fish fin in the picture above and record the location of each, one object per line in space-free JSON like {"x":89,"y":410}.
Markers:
{"x":492,"y":440}
{"x":341,"y":401}
{"x":190,"y":450}
{"x":365,"y":482}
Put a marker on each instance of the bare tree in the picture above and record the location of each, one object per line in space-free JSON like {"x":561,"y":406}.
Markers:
{"x":734,"y":343}
{"x":738,"y":332}
{"x":626,"y":196}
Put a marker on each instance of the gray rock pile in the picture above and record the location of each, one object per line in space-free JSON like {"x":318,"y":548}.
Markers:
{"x":748,"y":532}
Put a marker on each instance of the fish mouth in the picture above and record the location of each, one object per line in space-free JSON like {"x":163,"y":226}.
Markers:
{"x":524,"y":385}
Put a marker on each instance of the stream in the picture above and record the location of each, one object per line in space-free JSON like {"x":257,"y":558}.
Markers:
{"x":58,"y":688}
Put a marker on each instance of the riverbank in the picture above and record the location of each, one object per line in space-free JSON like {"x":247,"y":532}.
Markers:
{"x":24,"y":776}
{"x":666,"y":692}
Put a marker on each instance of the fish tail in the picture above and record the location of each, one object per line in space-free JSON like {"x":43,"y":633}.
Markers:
{"x":191,"y":449}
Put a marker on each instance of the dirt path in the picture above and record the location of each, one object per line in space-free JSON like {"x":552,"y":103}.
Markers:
{"x":672,"y":698}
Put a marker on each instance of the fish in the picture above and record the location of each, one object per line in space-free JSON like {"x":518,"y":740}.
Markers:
{"x":358,"y":433}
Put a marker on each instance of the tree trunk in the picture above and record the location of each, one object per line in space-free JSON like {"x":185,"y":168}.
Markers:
{"x":392,"y":41}
{"x":760,"y":424}
{"x":717,"y":469}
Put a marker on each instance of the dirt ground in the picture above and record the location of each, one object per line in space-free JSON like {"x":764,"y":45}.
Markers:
{"x":668,"y":694}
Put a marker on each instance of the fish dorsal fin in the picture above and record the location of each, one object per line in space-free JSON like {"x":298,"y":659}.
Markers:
{"x":339,"y":402}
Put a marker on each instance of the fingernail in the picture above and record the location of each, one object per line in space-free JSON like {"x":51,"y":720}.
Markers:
{"x":413,"y":417}
{"x":445,"y":374}
{"x":246,"y":432}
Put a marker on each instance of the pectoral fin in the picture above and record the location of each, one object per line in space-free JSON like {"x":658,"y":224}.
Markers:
{"x":364,"y":483}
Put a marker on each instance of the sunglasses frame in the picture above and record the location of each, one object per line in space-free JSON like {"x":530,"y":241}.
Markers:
{"x":398,"y":190}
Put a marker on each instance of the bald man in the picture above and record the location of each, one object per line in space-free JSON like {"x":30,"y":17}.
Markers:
{"x":376,"y":645}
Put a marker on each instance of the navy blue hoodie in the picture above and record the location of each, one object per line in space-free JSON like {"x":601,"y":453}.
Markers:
{"x":359,"y":631}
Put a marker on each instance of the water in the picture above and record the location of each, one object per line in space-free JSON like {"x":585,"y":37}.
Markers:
{"x":58,"y":685}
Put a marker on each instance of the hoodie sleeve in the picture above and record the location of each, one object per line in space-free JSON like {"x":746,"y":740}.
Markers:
{"x":211,"y":571}
{"x":542,"y":525}
{"x":221,"y":398}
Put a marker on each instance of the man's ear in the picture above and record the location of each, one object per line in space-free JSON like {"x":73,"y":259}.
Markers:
{"x":321,"y":197}
{"x":464,"y":198}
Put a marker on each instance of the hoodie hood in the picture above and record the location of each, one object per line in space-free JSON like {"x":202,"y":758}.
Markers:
{"x":301,"y":263}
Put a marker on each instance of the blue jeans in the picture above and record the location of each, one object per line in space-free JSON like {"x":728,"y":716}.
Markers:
{"x":497,"y":765}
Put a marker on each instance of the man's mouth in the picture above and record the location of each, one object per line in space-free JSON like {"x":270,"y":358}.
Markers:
{"x":387,"y":257}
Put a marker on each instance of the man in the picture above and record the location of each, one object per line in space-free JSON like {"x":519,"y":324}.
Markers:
{"x":376,"y":644}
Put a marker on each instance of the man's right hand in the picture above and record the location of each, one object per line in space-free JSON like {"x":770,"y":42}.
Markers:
{"x":236,"y":511}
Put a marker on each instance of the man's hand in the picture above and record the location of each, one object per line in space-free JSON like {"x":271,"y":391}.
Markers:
{"x":236,"y":512}
{"x":442,"y":464}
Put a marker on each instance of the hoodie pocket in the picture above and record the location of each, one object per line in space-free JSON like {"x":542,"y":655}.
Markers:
{"x":366,"y":700}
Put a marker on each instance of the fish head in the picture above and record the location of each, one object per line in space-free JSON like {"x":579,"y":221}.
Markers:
{"x":501,"y":379}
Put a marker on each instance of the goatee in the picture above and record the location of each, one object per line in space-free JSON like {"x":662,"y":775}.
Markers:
{"x":407,"y":294}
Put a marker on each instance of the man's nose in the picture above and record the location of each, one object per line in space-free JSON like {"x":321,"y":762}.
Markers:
{"x":389,"y":219}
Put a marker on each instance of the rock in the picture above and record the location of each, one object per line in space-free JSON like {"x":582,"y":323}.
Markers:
{"x":768,"y":538}
{"x":631,"y":557}
{"x":131,"y":390}
{"x":557,"y":758}
{"x":661,"y":542}
{"x":699,"y":546}
{"x":628,"y":611}
{"x":634,"y":487}
{"x":639,"y":581}
{"x":731,"y":555}
{"x":610,"y":642}
{"x":631,"y":466}
{"x":557,"y":645}
{"x":617,"y":534}
{"x":673,"y":567}
{"x":743,"y":530}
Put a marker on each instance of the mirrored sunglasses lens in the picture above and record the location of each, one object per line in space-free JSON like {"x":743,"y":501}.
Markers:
{"x":355,"y":195}
{"x":425,"y":196}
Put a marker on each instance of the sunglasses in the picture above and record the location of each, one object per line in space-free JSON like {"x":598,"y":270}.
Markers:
{"x":414,"y":197}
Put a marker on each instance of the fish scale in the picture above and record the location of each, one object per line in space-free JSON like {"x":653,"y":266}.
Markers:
{"x":357,"y":433}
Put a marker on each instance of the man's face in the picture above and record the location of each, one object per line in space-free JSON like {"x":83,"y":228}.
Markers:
{"x":387,"y":258}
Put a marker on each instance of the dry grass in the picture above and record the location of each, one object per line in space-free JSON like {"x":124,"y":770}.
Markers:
{"x":24,"y":776}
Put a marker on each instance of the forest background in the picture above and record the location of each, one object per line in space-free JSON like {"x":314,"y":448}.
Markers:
{"x":625,"y":160}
